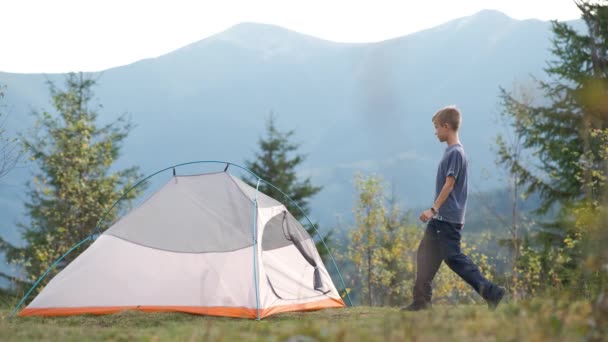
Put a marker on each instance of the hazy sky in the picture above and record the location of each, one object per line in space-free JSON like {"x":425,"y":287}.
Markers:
{"x":89,"y":35}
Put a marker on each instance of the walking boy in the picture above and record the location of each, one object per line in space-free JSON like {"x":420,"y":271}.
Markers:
{"x":445,"y":219}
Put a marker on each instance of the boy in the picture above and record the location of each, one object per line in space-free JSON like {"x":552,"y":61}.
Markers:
{"x":445,"y":219}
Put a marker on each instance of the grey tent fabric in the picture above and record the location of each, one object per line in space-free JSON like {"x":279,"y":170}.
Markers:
{"x":192,"y":214}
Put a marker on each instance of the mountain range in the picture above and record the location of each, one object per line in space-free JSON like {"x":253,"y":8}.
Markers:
{"x":353,"y":107}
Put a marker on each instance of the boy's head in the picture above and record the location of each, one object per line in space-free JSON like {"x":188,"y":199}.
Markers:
{"x":445,"y":120}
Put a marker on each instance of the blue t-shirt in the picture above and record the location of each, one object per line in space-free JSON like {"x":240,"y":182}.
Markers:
{"x":454,"y":163}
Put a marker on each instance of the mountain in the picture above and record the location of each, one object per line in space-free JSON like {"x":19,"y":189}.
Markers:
{"x":354,"y":107}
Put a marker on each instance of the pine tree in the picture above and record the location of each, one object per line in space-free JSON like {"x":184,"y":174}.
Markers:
{"x":566,"y":133}
{"x":561,"y":133}
{"x":74,"y":184}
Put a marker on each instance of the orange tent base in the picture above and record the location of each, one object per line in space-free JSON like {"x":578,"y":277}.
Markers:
{"x":240,"y":312}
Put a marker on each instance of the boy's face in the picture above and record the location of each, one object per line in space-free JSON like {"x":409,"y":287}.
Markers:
{"x":441,"y":130}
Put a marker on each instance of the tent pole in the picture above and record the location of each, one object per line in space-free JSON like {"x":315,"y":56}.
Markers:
{"x":98,"y":226}
{"x":255,"y":249}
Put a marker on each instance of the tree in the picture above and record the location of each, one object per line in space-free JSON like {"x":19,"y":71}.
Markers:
{"x":510,"y":152}
{"x":565,"y":133}
{"x":9,"y":148}
{"x":560,"y":133}
{"x":74,"y":184}
{"x":276,"y":163}
{"x":367,"y":236}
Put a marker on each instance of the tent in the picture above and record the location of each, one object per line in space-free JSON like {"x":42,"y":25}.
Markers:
{"x":204,"y":244}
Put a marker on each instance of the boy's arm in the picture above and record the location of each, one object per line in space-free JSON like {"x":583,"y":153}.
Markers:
{"x":448,"y":186}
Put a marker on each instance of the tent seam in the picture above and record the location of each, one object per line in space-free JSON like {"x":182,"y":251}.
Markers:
{"x":173,"y":251}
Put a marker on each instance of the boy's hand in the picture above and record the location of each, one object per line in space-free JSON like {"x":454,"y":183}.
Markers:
{"x":426,"y":215}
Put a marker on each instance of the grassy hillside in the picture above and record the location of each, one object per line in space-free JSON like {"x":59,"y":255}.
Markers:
{"x":536,"y":320}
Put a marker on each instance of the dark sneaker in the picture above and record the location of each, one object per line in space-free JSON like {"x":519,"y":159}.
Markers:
{"x":496,"y":298}
{"x":417,"y":306}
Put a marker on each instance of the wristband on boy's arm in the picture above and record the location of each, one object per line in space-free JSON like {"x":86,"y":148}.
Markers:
{"x":433,"y":210}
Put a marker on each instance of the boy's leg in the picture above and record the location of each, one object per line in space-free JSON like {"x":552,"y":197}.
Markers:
{"x":462,"y":264}
{"x":428,"y":260}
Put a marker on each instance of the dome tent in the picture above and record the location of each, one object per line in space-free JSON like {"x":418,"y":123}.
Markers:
{"x":204,"y":244}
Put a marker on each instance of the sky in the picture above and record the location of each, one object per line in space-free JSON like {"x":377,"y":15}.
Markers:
{"x":93,"y":35}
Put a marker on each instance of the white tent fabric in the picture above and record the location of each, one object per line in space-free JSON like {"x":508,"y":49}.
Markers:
{"x":190,"y":248}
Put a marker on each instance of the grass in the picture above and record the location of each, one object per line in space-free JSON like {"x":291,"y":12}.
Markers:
{"x":535,"y":320}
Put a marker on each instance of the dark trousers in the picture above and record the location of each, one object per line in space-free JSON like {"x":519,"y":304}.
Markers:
{"x":441,"y":242}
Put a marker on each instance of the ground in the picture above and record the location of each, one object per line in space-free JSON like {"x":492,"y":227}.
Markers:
{"x":535,"y":320}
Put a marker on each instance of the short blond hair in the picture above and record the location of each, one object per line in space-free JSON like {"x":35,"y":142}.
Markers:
{"x":450,"y":115}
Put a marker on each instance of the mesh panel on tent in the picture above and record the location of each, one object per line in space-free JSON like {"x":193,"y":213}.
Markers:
{"x":282,"y":231}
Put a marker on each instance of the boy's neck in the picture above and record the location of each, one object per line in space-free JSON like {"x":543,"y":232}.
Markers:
{"x":453,"y":139}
